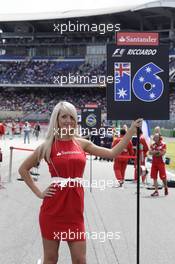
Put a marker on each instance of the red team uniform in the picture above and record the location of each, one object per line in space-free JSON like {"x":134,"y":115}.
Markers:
{"x":143,"y":148}
{"x":2,"y":129}
{"x":64,"y":211}
{"x":158,"y":164}
{"x":120,"y":163}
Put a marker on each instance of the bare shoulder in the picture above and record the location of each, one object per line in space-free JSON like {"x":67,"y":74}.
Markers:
{"x":83,"y":142}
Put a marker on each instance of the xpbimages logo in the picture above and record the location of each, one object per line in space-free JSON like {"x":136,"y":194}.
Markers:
{"x":137,"y":38}
{"x":77,"y":26}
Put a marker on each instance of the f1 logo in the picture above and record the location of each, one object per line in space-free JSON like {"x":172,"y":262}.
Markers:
{"x":118,"y":53}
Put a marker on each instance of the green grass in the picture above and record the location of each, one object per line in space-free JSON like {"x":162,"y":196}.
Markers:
{"x":171,"y":154}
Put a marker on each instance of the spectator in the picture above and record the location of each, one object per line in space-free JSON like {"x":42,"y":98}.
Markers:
{"x":26,"y":130}
{"x":37,"y":130}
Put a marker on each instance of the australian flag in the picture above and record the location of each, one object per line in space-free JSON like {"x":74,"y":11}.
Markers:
{"x":122,"y":81}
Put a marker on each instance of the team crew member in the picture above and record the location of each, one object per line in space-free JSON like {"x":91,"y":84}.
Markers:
{"x":2,"y":130}
{"x":37,"y":130}
{"x":120,"y":163}
{"x":63,"y":204}
{"x":157,"y":130}
{"x":143,"y":148}
{"x":13,"y":129}
{"x":158,"y":150}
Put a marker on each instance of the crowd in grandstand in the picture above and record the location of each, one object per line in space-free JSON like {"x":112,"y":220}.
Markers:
{"x":43,"y":71}
{"x":41,"y":100}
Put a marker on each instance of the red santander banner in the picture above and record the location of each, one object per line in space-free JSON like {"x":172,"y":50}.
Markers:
{"x":91,"y":105}
{"x":137,"y":39}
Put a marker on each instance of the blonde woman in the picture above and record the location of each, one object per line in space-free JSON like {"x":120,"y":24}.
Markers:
{"x":61,"y":213}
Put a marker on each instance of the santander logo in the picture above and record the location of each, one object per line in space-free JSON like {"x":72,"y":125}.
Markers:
{"x":68,"y":153}
{"x":137,"y":38}
{"x":122,"y":39}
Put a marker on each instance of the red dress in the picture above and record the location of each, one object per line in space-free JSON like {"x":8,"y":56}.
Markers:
{"x":61,"y":216}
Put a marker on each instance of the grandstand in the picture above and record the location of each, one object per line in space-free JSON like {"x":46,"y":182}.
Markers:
{"x":40,"y":101}
{"x":33,"y":52}
{"x":42,"y":71}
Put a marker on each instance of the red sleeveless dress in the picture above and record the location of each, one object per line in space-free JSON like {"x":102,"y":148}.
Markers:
{"x":61,"y":216}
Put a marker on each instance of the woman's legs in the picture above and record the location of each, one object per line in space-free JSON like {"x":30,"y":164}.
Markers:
{"x":50,"y":248}
{"x":78,"y":252}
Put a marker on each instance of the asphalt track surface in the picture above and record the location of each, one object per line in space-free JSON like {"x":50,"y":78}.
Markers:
{"x":110,"y":217}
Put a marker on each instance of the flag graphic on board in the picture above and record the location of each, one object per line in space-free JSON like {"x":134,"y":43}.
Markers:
{"x":122,"y":81}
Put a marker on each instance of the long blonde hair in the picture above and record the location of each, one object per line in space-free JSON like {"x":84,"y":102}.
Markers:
{"x":45,"y":149}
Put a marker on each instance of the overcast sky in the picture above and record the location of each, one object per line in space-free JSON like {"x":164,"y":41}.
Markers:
{"x":24,"y":6}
